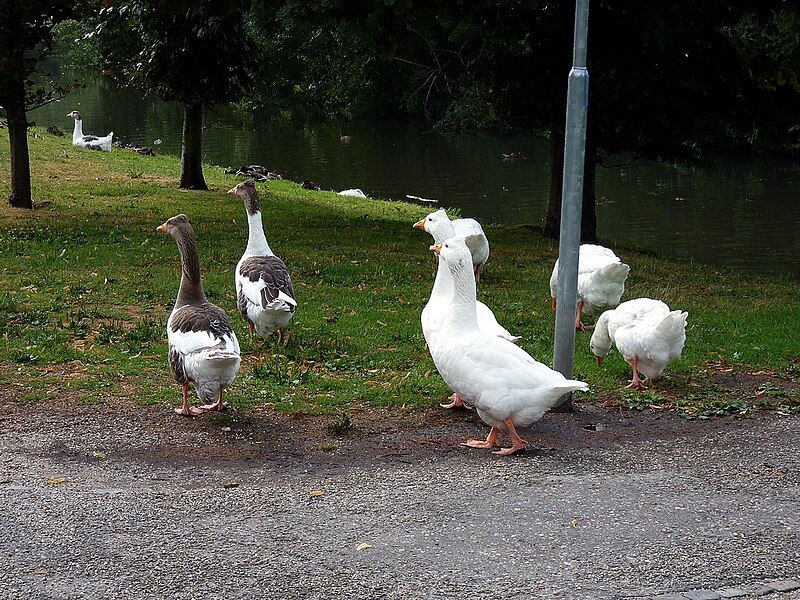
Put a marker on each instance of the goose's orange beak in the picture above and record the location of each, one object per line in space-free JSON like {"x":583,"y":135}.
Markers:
{"x":599,"y":360}
{"x":232,"y":191}
{"x":420,"y":224}
{"x":437,"y":248}
{"x":163,"y":228}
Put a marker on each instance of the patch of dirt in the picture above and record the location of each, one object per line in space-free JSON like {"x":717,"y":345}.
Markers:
{"x":256,"y":437}
{"x":721,"y":389}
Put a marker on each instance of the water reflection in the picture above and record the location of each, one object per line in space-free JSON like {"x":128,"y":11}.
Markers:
{"x":744,"y":214}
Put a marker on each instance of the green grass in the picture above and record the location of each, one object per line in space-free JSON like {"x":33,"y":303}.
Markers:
{"x":87,"y":285}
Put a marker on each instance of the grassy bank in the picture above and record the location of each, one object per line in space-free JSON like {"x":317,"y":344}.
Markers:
{"x":87,"y":284}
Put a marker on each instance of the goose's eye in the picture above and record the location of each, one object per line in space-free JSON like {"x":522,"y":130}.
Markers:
{"x":430,"y":219}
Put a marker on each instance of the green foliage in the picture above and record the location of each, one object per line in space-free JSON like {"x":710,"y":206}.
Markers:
{"x":195,"y":53}
{"x":26,"y":39}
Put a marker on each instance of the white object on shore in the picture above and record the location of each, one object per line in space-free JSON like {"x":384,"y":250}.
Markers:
{"x":355,"y":193}
{"x":420,"y":199}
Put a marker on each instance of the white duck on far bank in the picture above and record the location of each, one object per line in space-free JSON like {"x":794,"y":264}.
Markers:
{"x":507,"y":387}
{"x":439,"y":225}
{"x":92,"y":142}
{"x":646,"y":333}
{"x":601,"y":281}
{"x":264,"y":291}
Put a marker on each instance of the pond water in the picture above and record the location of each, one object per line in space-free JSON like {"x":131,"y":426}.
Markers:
{"x":740,"y":213}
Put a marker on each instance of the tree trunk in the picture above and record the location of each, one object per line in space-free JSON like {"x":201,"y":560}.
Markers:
{"x":565,"y":18}
{"x":552,"y":218}
{"x":20,"y":162}
{"x":192,"y":153}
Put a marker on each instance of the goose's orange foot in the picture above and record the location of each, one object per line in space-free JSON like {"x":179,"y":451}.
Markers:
{"x":636,"y":384}
{"x":517,"y":443}
{"x":512,"y":450}
{"x":489,"y":442}
{"x":457,"y":402}
{"x":215,"y":406}
{"x":189,"y":411}
{"x":477,"y":444}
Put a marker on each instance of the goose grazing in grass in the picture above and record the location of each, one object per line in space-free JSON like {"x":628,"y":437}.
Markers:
{"x":507,"y":387}
{"x":203,"y":349}
{"x":439,"y":225}
{"x":647,"y":334}
{"x":263,"y":285}
{"x":92,"y":142}
{"x":434,"y":312}
{"x":601,"y":281}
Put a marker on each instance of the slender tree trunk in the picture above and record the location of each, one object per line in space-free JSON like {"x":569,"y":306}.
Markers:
{"x":552,"y":218}
{"x":192,"y":154}
{"x":588,"y":212}
{"x":18,"y":142}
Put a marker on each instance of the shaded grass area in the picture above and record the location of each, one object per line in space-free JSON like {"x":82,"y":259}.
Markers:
{"x":87,"y":285}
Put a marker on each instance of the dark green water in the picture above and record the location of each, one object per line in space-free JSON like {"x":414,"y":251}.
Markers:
{"x":740,"y":213}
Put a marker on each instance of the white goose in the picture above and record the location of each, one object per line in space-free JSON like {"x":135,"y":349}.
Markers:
{"x":203,"y":348}
{"x":647,"y":334}
{"x":264,"y":291}
{"x":439,"y":225}
{"x":435,"y":311}
{"x":92,"y":142}
{"x":601,"y":280}
{"x":506,"y":385}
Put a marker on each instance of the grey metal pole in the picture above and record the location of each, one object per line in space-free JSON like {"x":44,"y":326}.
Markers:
{"x":572,"y":199}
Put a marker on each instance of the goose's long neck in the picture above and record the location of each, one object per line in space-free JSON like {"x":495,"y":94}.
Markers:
{"x":443,"y":284}
{"x":256,"y":241}
{"x":77,"y":133}
{"x":462,"y":315}
{"x":191,"y":290}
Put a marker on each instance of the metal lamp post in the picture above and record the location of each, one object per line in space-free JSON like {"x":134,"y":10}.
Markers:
{"x":572,"y":199}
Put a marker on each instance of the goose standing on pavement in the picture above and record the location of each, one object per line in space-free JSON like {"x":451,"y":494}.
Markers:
{"x":264,"y":291}
{"x":441,"y":296}
{"x":203,"y":349}
{"x":91,"y":142}
{"x":507,"y":387}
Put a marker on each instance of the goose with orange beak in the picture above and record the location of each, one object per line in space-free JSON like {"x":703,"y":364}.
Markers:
{"x":439,"y":225}
{"x":434,"y":311}
{"x":646,"y":333}
{"x":507,"y":387}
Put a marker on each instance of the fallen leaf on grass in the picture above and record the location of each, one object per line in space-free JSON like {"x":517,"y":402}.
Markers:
{"x":573,"y":523}
{"x":56,"y":480}
{"x":98,"y":454}
{"x":231,"y":485}
{"x":363,"y":546}
{"x":316,"y":493}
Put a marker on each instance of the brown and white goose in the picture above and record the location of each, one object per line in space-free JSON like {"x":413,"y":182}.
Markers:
{"x":263,"y":285}
{"x":93,"y":142}
{"x":203,"y":348}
